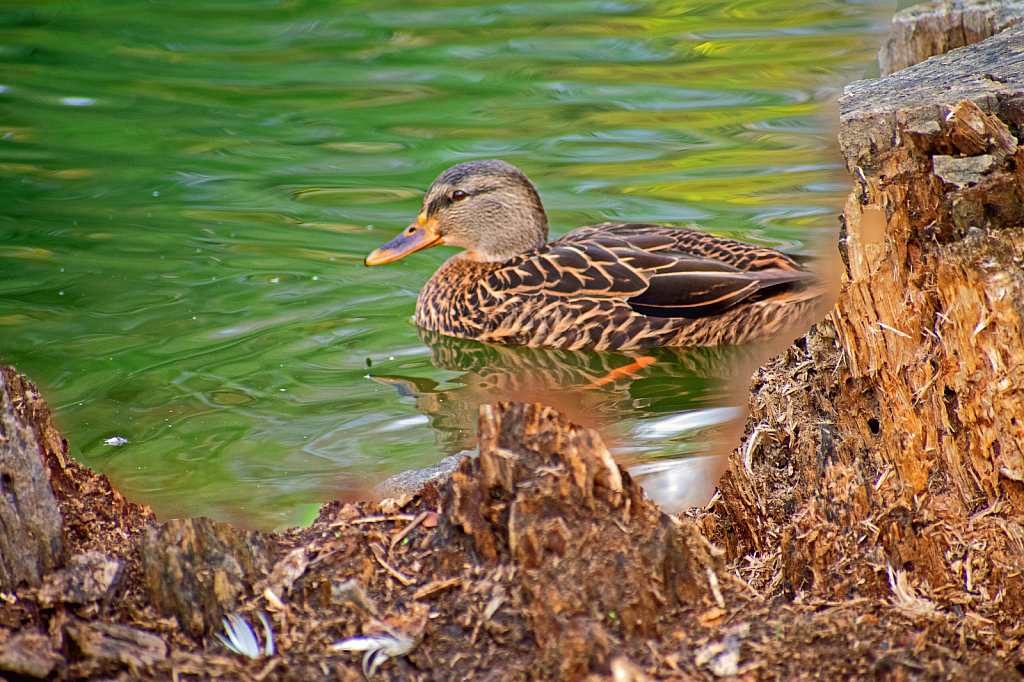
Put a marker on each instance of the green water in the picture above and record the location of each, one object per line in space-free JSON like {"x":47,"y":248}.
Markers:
{"x":187,"y":190}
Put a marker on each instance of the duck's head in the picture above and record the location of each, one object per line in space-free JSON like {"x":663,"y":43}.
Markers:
{"x":490,"y":208}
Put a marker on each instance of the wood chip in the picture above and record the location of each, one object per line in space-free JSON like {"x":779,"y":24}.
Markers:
{"x":436,"y":586}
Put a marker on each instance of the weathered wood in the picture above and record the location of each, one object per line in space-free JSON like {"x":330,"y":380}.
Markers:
{"x":31,"y":539}
{"x":89,"y":577}
{"x":30,"y":654}
{"x":198,"y":569}
{"x":563,"y":559}
{"x":33,"y":411}
{"x":935,"y":28}
{"x":580,"y":588}
{"x":105,"y":647}
{"x":910,"y":106}
{"x":931,"y":314}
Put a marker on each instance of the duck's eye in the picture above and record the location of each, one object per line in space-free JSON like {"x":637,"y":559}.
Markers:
{"x":459,"y":195}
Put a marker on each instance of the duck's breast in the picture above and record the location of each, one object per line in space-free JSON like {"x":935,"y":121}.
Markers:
{"x":455,"y":301}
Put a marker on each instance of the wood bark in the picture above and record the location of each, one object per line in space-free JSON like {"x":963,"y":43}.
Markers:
{"x":198,"y":569}
{"x":31,"y":536}
{"x":935,"y":28}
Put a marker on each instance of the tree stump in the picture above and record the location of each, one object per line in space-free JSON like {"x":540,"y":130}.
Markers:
{"x":197,"y":569}
{"x":900,"y":445}
{"x":930,"y":316}
{"x":547,"y":494}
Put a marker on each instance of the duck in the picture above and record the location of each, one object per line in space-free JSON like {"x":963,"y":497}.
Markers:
{"x":607,"y":287}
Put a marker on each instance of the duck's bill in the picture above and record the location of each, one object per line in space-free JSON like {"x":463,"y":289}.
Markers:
{"x":415,"y":238}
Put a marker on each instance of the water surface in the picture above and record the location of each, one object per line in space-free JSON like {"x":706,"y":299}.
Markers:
{"x":187,"y":190}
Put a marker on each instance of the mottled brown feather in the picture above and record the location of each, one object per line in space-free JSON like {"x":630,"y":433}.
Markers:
{"x":621,"y":286}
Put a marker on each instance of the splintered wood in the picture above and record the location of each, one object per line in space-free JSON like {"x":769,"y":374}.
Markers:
{"x":930,"y":317}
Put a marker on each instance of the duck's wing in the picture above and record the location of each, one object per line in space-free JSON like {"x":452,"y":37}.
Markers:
{"x":657,"y":270}
{"x":687,"y":241}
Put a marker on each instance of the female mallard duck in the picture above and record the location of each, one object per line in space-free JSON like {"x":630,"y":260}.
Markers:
{"x":604,"y":287}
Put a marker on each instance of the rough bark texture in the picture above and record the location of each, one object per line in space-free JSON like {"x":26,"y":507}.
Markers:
{"x":31,"y":537}
{"x":91,"y":510}
{"x":198,"y":569}
{"x":930,"y":316}
{"x":935,"y":28}
{"x":897,"y":440}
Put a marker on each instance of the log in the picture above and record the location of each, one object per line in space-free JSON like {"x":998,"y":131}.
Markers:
{"x":935,"y":28}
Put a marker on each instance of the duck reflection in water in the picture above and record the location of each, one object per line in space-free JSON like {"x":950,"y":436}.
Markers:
{"x":652,"y":406}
